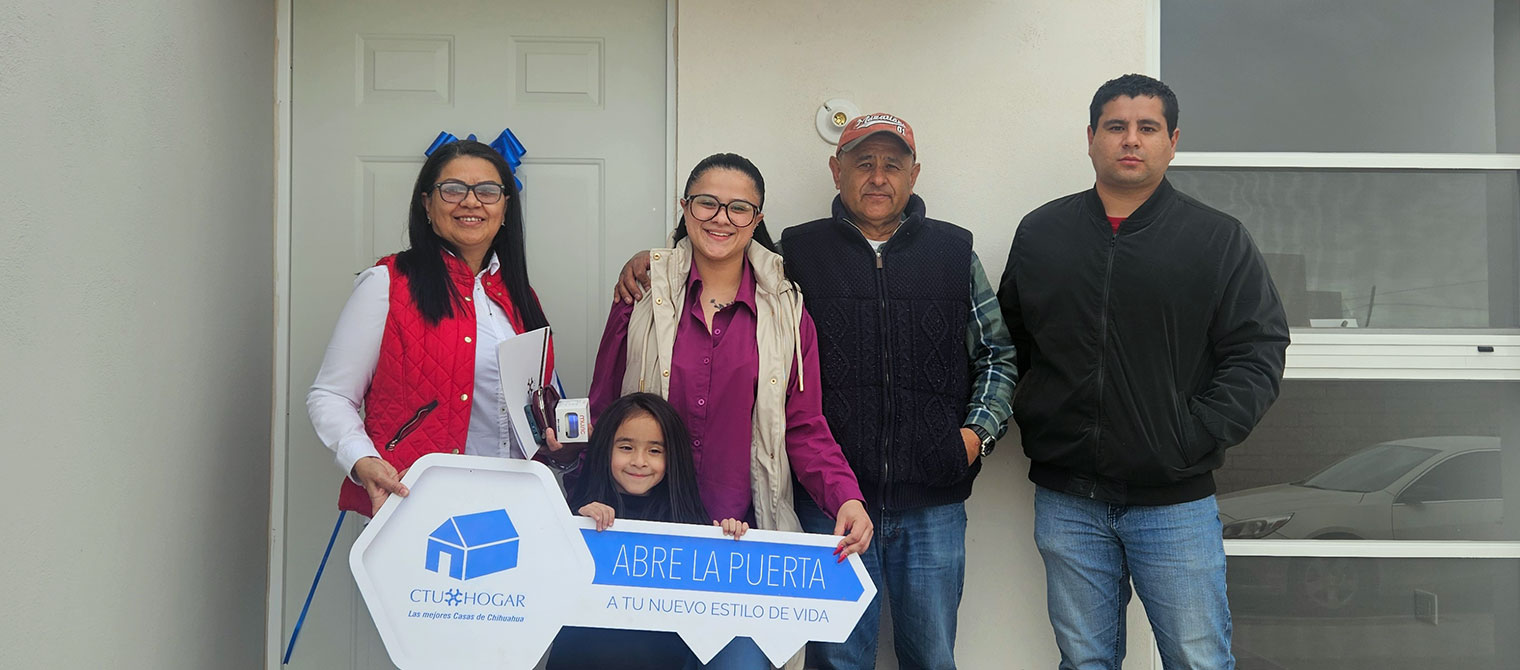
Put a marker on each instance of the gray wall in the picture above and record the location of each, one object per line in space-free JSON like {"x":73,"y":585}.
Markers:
{"x":136,"y":312}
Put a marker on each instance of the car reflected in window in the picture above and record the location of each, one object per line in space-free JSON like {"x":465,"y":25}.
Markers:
{"x":1426,"y":488}
{"x":1371,"y":469}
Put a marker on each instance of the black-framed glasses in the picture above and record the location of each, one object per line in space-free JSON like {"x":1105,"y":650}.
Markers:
{"x":487,"y":192}
{"x":704,"y":207}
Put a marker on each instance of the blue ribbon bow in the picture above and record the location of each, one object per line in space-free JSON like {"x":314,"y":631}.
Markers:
{"x":505,"y":144}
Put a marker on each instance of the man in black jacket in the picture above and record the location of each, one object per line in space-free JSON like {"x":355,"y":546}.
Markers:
{"x":1149,"y":339}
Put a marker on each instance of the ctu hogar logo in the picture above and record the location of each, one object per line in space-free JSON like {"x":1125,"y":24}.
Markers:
{"x":473,"y":545}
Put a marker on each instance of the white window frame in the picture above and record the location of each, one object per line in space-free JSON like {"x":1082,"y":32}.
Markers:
{"x":1346,"y":161}
{"x":1354,"y":354}
{"x":1373,"y":548}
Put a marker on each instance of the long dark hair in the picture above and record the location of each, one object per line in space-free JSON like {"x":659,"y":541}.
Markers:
{"x":423,"y":264}
{"x":728,"y":162}
{"x":676,"y":497}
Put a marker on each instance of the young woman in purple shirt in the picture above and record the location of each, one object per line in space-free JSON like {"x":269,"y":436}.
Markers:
{"x":722,"y":335}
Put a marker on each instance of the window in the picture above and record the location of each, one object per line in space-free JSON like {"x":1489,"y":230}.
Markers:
{"x":1394,"y":76}
{"x":1372,"y":149}
{"x":1334,"y":613}
{"x":1369,"y":460}
{"x":1379,"y":248}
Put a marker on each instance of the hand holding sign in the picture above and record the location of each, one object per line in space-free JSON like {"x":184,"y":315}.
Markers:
{"x":482,"y":564}
{"x":379,"y":479}
{"x":855,"y":525}
{"x":733,"y":527}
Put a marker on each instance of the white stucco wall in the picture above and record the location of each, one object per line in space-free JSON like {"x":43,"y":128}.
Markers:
{"x":136,"y":320}
{"x":997,"y":93}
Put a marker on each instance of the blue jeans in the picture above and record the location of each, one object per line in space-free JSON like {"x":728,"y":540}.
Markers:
{"x":917,"y":558}
{"x":740,"y":654}
{"x":577,"y":648}
{"x":1174,"y":555}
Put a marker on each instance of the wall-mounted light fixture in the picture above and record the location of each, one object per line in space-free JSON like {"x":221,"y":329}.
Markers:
{"x":832,"y":117}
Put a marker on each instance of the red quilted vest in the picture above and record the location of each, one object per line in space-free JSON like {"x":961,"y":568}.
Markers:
{"x":419,"y":399}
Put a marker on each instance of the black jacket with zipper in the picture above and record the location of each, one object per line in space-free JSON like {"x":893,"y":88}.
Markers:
{"x":1142,"y":354}
{"x":892,"y":350}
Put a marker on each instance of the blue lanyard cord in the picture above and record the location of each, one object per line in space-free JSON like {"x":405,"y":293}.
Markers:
{"x":296,"y":633}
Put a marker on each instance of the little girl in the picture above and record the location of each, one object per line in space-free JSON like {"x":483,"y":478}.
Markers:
{"x":638,"y":465}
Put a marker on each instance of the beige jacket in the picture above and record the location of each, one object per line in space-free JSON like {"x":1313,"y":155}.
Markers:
{"x":778,"y":323}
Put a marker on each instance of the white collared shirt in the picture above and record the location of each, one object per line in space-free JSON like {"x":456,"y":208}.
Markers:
{"x":348,"y":367}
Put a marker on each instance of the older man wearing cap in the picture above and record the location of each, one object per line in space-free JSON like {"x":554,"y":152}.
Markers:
{"x":918,"y":373}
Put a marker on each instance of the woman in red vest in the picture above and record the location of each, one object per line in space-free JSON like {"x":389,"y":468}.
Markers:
{"x":415,"y":346}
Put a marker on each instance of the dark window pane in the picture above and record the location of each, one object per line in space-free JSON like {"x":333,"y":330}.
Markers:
{"x":1378,"y":460}
{"x":1466,"y":477}
{"x":1350,"y":75}
{"x":1321,"y":613}
{"x":1371,"y":470}
{"x":1382,"y":249}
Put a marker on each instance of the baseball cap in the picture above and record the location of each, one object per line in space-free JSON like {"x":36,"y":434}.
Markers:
{"x":861,"y":127}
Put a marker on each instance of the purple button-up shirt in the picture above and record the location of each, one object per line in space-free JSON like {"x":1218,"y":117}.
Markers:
{"x":713,"y":378}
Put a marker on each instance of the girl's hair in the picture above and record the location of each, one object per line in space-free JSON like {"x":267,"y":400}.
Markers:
{"x":728,"y":162}
{"x":675,"y":498}
{"x":432,"y":291}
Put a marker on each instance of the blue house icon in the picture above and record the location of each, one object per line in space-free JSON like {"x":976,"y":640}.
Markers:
{"x":473,"y":545}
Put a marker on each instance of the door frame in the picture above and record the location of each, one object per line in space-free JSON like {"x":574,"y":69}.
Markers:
{"x":279,"y":442}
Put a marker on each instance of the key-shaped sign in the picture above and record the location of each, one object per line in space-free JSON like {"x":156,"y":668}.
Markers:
{"x":482,"y":564}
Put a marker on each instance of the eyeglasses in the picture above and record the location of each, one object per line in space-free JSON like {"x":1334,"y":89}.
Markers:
{"x":704,"y":207}
{"x":487,"y":192}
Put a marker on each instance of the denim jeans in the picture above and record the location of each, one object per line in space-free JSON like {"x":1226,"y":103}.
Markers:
{"x":577,"y":648}
{"x":740,"y":654}
{"x":917,"y":558}
{"x":1173,"y":554}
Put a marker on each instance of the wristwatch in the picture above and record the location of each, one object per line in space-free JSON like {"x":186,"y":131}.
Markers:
{"x":988,"y":441}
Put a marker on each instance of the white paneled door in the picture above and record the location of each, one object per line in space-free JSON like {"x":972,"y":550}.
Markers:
{"x":582,"y":85}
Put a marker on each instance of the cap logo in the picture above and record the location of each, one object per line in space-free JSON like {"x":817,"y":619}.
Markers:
{"x":880,"y":120}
